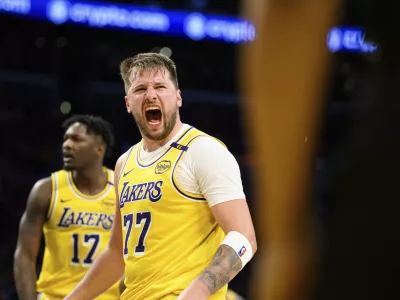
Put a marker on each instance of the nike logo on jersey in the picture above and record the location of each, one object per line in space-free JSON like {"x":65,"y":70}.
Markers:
{"x":65,"y":200}
{"x":126,"y":173}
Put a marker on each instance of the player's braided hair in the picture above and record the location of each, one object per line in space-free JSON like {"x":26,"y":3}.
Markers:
{"x":147,"y":61}
{"x":96,"y":125}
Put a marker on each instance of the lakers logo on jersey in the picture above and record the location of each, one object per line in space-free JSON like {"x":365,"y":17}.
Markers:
{"x":89,"y":219}
{"x":142,"y":191}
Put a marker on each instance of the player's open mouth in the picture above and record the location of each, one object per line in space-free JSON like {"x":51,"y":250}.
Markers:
{"x":68,"y":157}
{"x":153,"y":115}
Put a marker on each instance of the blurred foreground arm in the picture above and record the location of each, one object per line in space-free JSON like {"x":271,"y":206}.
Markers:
{"x":284,"y":77}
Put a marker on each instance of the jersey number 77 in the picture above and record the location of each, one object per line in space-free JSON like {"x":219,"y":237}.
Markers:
{"x":142,"y":221}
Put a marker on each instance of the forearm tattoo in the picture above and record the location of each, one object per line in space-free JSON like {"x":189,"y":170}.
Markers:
{"x":224,"y":266}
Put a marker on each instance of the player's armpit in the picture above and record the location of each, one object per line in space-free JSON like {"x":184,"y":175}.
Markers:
{"x":122,"y":286}
{"x":232,"y":216}
{"x":30,"y":233}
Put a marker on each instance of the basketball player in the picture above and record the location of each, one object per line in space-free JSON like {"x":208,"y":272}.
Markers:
{"x":75,"y":210}
{"x":182,"y":228}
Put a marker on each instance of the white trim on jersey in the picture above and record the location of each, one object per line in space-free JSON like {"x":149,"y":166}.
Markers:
{"x":103,"y":193}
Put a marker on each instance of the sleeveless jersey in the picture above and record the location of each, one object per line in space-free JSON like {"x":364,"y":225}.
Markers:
{"x":170,"y":236}
{"x":77,"y":230}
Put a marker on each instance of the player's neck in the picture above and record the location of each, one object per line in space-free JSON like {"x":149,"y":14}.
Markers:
{"x":150,"y":145}
{"x":90,"y":180}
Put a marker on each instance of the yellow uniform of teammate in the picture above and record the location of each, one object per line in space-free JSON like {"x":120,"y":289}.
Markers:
{"x":77,"y":230}
{"x":74,"y":208}
{"x":157,"y":215}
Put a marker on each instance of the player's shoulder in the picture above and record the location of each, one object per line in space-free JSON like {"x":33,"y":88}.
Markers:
{"x":205,"y":152}
{"x":204,"y":142}
{"x":59,"y":172}
{"x":204,"y":139}
{"x":59,"y":179}
{"x":41,"y":191}
{"x":122,"y":160}
{"x":43,"y":184}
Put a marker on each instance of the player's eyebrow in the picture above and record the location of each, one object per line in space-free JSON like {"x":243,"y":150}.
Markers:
{"x":139,"y":85}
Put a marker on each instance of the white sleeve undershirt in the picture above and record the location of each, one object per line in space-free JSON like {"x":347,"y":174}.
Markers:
{"x":207,"y":169}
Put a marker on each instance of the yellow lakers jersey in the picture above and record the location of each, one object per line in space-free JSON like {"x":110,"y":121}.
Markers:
{"x":77,"y":230}
{"x":169,"y":235}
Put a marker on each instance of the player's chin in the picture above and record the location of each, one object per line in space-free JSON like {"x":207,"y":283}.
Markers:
{"x":154,"y":136}
{"x":68,"y":166}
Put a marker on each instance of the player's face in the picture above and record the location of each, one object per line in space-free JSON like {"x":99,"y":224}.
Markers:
{"x":80,"y":149}
{"x":153,"y":101}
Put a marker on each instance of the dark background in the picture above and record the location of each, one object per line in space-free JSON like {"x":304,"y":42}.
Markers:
{"x":42,"y":65}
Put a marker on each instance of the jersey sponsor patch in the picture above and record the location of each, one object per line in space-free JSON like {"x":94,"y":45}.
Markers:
{"x":162,"y":166}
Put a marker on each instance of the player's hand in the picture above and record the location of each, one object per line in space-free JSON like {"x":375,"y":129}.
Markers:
{"x":197,"y":290}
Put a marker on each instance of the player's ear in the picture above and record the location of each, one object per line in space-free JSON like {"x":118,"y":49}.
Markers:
{"x":101,"y":149}
{"x":127,"y":105}
{"x":179,"y":98}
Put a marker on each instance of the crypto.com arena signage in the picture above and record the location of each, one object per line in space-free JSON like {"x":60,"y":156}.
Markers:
{"x":196,"y":26}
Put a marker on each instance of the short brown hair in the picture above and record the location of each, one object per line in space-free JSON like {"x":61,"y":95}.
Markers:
{"x":147,"y":61}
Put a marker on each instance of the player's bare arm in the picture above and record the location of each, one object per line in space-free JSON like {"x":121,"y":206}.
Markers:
{"x":218,"y":177}
{"x":30,"y":234}
{"x":109,"y":266}
{"x":224,"y":266}
{"x":232,"y":216}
